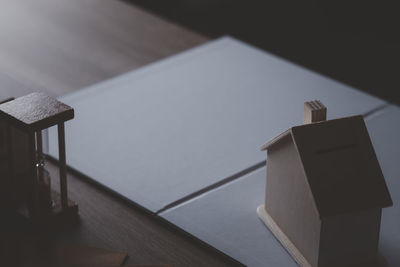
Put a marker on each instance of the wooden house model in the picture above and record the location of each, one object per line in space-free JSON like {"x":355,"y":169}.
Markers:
{"x":325,"y":191}
{"x":25,"y":185}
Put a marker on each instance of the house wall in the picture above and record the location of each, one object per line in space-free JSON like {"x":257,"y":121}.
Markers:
{"x":20,"y":152}
{"x":3,"y":150}
{"x":13,"y":187}
{"x":349,"y":238}
{"x":289,"y":200}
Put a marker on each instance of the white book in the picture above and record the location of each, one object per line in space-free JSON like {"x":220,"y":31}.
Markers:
{"x":161,"y":133}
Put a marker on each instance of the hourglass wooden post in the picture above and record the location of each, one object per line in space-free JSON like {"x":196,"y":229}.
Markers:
{"x":30,"y":115}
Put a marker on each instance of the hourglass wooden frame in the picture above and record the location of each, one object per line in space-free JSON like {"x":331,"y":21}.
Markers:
{"x":32,"y":114}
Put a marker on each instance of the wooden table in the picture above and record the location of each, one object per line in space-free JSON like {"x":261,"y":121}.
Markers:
{"x":56,"y":47}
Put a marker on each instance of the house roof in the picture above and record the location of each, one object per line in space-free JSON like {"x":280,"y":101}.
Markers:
{"x":340,"y":165}
{"x":35,"y":112}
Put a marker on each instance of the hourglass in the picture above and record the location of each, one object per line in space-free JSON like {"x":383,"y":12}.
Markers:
{"x":27,"y":117}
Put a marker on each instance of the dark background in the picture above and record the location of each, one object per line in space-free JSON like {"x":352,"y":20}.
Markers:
{"x":354,"y":42}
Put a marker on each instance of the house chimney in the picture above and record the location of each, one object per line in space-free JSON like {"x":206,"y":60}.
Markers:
{"x":313,"y":111}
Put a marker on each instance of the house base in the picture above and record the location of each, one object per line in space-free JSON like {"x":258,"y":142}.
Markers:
{"x":285,"y":241}
{"x":291,"y":248}
{"x":56,"y":216}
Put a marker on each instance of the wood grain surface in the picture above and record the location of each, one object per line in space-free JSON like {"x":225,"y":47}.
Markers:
{"x":56,"y":47}
{"x":59,"y":46}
